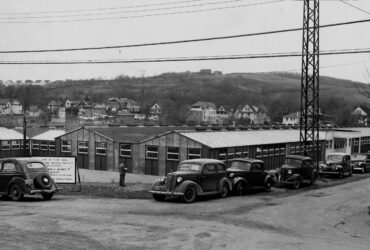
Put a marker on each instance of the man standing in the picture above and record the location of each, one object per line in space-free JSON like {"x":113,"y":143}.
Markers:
{"x":122,"y":174}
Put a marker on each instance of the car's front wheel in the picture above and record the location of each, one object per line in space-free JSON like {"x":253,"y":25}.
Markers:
{"x":341,"y":175}
{"x":159,"y":197}
{"x":47,"y":196}
{"x":268,"y":185}
{"x":16,"y":193}
{"x":224,"y":190}
{"x":190,"y":194}
{"x":240,"y":188}
{"x":297,"y":183}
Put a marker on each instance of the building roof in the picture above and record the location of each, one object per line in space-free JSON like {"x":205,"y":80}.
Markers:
{"x":10,"y":134}
{"x":224,"y":139}
{"x":293,"y":115}
{"x":49,"y":135}
{"x":204,"y":104}
{"x":132,"y":134}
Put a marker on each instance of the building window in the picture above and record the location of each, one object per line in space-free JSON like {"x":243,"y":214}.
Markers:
{"x":265,"y":152}
{"x":173,"y":154}
{"x":238,"y":152}
{"x":194,"y":153}
{"x":52,"y":146}
{"x":101,"y":148}
{"x":245,"y":152}
{"x":27,"y":144}
{"x":258,"y":152}
{"x":125,"y":150}
{"x":230,"y":153}
{"x":271,"y":152}
{"x":36,"y":144}
{"x":83,"y":147}
{"x":222,"y":155}
{"x":151,"y":152}
{"x":66,"y":146}
{"x":44,"y":145}
{"x":282,"y":150}
{"x":16,"y":144}
{"x":5,"y":145}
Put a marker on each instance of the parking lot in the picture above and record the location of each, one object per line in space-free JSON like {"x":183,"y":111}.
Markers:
{"x":310,"y":218}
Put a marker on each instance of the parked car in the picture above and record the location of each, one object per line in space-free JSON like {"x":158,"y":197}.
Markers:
{"x":360,"y":162}
{"x":20,"y":176}
{"x":193,"y":178}
{"x":336,"y":164}
{"x":296,"y":170}
{"x":247,"y":174}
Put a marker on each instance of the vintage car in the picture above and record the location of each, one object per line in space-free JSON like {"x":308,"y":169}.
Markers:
{"x":336,"y":164}
{"x":296,"y":170}
{"x":360,"y":163}
{"x":20,"y":176}
{"x":193,"y":178}
{"x":247,"y":174}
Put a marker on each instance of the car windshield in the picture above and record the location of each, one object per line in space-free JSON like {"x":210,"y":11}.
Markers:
{"x":293,"y":162}
{"x":35,"y":165}
{"x":240,"y":165}
{"x":189,"y":167}
{"x":358,"y":157}
{"x":334,"y":157}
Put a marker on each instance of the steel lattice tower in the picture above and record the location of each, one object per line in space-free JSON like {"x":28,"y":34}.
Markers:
{"x":309,"y":119}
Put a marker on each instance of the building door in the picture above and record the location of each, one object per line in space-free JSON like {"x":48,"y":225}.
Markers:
{"x":151,"y":167}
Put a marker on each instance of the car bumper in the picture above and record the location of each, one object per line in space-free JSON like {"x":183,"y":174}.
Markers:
{"x":358,"y":169}
{"x":39,"y":191}
{"x":330,"y":172}
{"x":166,"y":193}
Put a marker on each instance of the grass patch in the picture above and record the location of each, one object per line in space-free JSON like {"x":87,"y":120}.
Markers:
{"x":107,"y":190}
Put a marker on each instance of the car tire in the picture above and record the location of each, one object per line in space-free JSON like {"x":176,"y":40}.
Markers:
{"x":224,"y":190}
{"x":350,"y":173}
{"x":44,"y":181}
{"x":313,"y":179}
{"x":47,"y":196}
{"x":341,"y":175}
{"x":16,"y":193}
{"x":268,"y":185}
{"x":363,"y":170}
{"x":296,"y":183}
{"x":159,"y":197}
{"x":240,"y":188}
{"x":190,"y":195}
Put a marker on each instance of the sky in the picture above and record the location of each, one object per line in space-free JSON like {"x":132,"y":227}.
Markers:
{"x":59,"y":24}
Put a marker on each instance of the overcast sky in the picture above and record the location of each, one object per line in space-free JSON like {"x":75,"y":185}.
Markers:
{"x":39,"y":28}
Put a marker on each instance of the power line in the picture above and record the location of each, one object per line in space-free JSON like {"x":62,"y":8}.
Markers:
{"x":199,"y":58}
{"x":146,"y":15}
{"x":355,"y":7}
{"x":100,"y":9}
{"x":129,"y":11}
{"x":181,"y":41}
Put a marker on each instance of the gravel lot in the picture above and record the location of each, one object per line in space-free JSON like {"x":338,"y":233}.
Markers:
{"x":311,"y":218}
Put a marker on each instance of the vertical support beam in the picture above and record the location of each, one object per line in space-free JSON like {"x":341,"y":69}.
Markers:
{"x":309,"y":119}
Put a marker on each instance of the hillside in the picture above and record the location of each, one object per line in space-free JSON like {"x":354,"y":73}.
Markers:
{"x":279,"y":92}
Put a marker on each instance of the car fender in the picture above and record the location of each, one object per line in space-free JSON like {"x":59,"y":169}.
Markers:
{"x":268,"y":178}
{"x":19,"y":181}
{"x":183,"y":185}
{"x":229,"y":183}
{"x":157,"y":182}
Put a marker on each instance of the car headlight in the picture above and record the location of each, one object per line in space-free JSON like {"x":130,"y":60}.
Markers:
{"x":179,"y":179}
{"x":163,"y":179}
{"x":290,"y":171}
{"x":232,"y":175}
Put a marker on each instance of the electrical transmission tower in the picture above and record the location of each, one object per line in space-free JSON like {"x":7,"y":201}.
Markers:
{"x":309,"y":119}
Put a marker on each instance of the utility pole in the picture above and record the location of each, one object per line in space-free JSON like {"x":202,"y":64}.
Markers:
{"x":309,"y":119}
{"x":25,"y":154}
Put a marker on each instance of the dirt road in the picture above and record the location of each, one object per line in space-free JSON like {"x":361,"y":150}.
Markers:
{"x":329,"y":218}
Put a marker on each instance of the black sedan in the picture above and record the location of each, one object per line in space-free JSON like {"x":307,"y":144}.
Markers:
{"x":247,"y":174}
{"x":361,"y":163}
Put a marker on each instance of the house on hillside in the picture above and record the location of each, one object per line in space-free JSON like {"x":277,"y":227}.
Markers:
{"x":203,"y":112}
{"x":54,"y":105}
{"x":10,"y":107}
{"x":34,"y":111}
{"x":155,"y":112}
{"x":116,"y":104}
{"x":256,"y":114}
{"x":292,"y":118}
{"x":223,"y":114}
{"x":361,"y":113}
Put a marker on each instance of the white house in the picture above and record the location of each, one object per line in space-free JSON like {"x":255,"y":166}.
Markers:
{"x":292,"y":118}
{"x":362,"y":115}
{"x":256,"y":114}
{"x":203,"y":112}
{"x":10,"y":107}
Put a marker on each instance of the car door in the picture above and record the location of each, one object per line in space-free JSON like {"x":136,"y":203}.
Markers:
{"x":347,"y":163}
{"x":209,"y":178}
{"x":257,"y":175}
{"x":8,"y":171}
{"x":307,"y":168}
